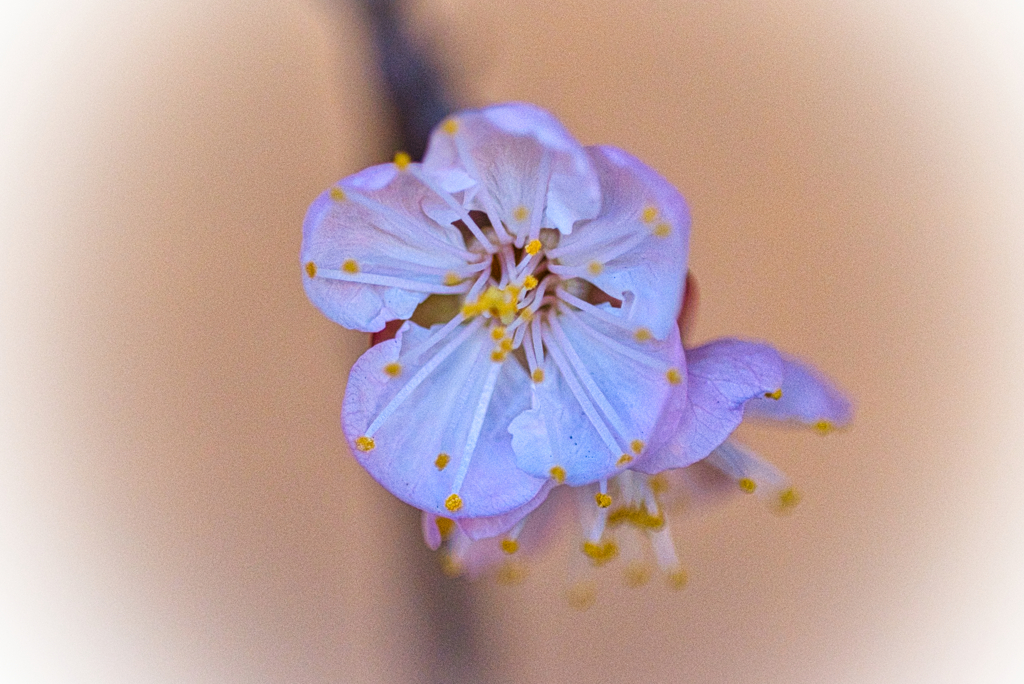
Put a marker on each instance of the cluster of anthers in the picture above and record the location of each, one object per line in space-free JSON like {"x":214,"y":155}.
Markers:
{"x":536,"y":286}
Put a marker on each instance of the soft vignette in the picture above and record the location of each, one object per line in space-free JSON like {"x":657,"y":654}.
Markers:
{"x":156,"y":532}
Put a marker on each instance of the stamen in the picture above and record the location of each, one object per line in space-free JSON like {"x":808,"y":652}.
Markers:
{"x":537,"y":375}
{"x":445,"y":526}
{"x":603,"y":500}
{"x":557,"y":474}
{"x":509,"y":546}
{"x":533,"y":246}
{"x":641,"y":334}
{"x":520,"y":213}
{"x":530,"y":282}
{"x":464,"y":215}
{"x":777,"y":394}
{"x":453,"y":503}
{"x":788,"y":498}
{"x":637,"y":574}
{"x":337,"y":194}
{"x":673,"y":376}
{"x":581,"y":371}
{"x":474,"y":429}
{"x":598,"y":553}
{"x":662,"y":230}
{"x":649,"y":214}
{"x":311,"y":269}
{"x":677,"y":579}
{"x":451,"y":279}
{"x":543,"y":176}
{"x":606,"y":316}
{"x":581,"y":595}
{"x":393,"y":369}
{"x":605,"y":341}
{"x":420,"y":376}
{"x":402,"y":160}
{"x":637,"y":445}
{"x":410,"y":225}
{"x":450,"y":126}
{"x":442,"y":460}
{"x":350,"y":272}
{"x":624,"y":459}
{"x":584,"y":401}
{"x":594,"y":268}
{"x":824,"y":427}
{"x":365,"y":443}
{"x":747,"y":485}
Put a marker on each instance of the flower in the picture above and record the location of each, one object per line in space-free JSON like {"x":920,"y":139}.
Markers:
{"x":560,"y":360}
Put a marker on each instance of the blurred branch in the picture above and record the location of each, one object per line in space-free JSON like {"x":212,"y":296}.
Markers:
{"x":413,"y":82}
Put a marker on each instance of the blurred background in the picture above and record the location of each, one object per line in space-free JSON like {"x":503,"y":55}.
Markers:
{"x":176,"y":500}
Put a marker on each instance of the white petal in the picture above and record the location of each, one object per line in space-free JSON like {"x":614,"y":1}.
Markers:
{"x":636,"y":249}
{"x":435,"y":417}
{"x":529,"y":171}
{"x":371,"y":253}
{"x":602,"y":397}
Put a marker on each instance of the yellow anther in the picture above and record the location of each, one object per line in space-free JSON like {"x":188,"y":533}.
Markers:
{"x":603,"y":500}
{"x":673,"y":376}
{"x":624,"y":459}
{"x":451,"y":566}
{"x":365,"y":443}
{"x":678,"y":578}
{"x":777,"y":394}
{"x":513,"y":289}
{"x":509,"y":546}
{"x":533,"y":246}
{"x":824,"y":427}
{"x":506,"y":344}
{"x":511,"y":573}
{"x":526,"y":315}
{"x":445,"y":526}
{"x":538,"y":375}
{"x":497,"y":333}
{"x":595,"y":268}
{"x":337,"y":194}
{"x":470,"y":309}
{"x":658,"y":483}
{"x":453,"y":502}
{"x":450,"y":126}
{"x":498,"y":355}
{"x":393,"y":369}
{"x":636,"y":515}
{"x":637,"y":445}
{"x":649,"y":214}
{"x":442,"y":460}
{"x":402,"y":160}
{"x":311,"y":269}
{"x":350,"y":266}
{"x":788,"y":498}
{"x":747,"y":485}
{"x":642,"y":335}
{"x":451,"y":279}
{"x":600,"y":553}
{"x":558,"y":474}
{"x":581,"y":595}
{"x":637,"y":574}
{"x":662,"y":230}
{"x":520,"y":213}
{"x":529,"y":282}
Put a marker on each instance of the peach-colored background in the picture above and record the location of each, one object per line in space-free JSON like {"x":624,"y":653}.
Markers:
{"x":176,"y":504}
